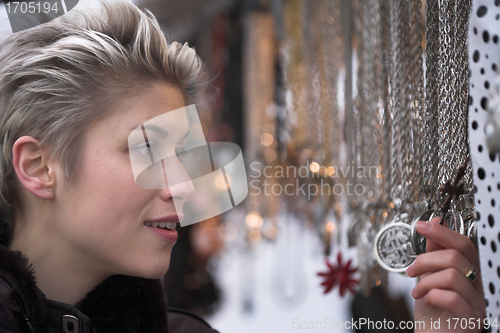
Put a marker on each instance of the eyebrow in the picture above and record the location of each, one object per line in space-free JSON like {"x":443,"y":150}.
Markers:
{"x":159,"y":130}
{"x":151,"y":127}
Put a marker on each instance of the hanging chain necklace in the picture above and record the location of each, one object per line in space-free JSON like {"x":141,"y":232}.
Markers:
{"x":430,"y":158}
{"x":366,"y":218}
{"x":415,"y":134}
{"x":396,"y":247}
{"x":448,"y":90}
{"x":392,"y":246}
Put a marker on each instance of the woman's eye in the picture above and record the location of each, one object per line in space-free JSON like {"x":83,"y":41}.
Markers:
{"x":143,"y":148}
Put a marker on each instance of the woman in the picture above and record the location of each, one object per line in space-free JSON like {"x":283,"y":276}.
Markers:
{"x":71,"y":93}
{"x":71,"y":90}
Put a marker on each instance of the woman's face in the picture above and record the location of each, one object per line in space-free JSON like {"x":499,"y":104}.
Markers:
{"x":102,"y":213}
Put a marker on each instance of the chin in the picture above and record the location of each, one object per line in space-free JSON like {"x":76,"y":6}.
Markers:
{"x":153,"y":271}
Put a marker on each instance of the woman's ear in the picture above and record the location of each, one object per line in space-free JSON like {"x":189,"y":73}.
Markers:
{"x":32,"y":167}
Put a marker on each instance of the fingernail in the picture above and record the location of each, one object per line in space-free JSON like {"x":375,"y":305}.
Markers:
{"x":436,"y":219}
{"x":409,"y":270}
{"x":424,"y":226}
{"x":413,"y":292}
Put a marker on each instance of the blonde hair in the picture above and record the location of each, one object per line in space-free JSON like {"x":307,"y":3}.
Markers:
{"x":56,"y":78}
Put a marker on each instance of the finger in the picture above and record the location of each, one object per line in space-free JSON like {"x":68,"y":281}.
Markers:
{"x":451,"y":301}
{"x":441,"y":260}
{"x":452,"y":280}
{"x":432,"y":245}
{"x":437,"y":261}
{"x":448,"y":239}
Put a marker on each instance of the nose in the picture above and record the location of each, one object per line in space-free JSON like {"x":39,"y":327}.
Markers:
{"x":178,"y":184}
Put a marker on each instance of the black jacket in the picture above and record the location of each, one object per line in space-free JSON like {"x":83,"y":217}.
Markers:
{"x":121,"y":304}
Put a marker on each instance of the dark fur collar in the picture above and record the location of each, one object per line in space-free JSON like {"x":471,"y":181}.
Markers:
{"x":16,"y":270}
{"x":126,"y":304}
{"x":119,"y":304}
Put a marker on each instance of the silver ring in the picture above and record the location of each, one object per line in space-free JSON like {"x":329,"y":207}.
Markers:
{"x":472,"y":273}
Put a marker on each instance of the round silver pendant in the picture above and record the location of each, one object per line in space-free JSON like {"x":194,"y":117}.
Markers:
{"x":393,"y":249}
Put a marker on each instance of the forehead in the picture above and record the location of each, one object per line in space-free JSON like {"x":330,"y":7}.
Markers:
{"x":150,"y":103}
{"x":132,"y":111}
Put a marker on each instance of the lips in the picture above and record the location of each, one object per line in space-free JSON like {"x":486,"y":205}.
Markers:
{"x":164,"y":227}
{"x":170,"y":218}
{"x":164,"y":234}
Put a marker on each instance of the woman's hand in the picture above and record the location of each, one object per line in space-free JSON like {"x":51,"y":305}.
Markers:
{"x":444,"y":292}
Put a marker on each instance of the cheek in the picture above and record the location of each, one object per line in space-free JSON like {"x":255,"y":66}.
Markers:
{"x":109,"y":173}
{"x":106,"y":187}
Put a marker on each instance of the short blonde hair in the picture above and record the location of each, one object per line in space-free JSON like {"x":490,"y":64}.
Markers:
{"x":56,"y":78}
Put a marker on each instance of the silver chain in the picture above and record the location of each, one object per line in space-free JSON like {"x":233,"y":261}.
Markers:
{"x":406,"y":84}
{"x":417,"y":96}
{"x":431,"y":142}
{"x":385,"y":163}
{"x":395,"y":108}
{"x":369,"y":92}
{"x":452,"y":83}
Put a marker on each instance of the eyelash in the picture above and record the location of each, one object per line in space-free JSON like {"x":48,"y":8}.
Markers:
{"x":143,"y":146}
{"x":178,"y":151}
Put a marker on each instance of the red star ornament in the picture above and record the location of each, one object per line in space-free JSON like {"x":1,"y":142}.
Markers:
{"x":339,"y":274}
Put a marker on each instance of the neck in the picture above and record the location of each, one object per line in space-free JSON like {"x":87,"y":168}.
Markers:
{"x":61,"y":275}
